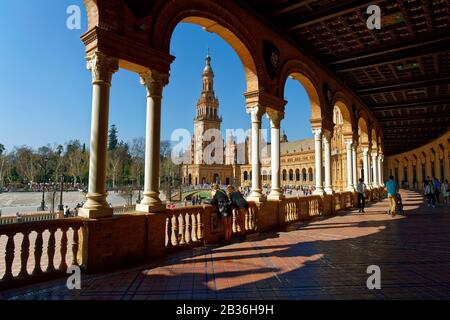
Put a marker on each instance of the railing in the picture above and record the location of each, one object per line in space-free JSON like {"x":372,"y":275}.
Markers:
{"x":249,"y":220}
{"x":302,"y":208}
{"x":184,"y":226}
{"x":38,"y":250}
{"x":33,"y":217}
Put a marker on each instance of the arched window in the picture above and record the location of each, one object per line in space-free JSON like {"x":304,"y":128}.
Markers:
{"x":304,"y":175}
{"x":284,"y":175}
{"x":311,"y":175}
{"x":297,"y":175}
{"x":291,"y":175}
{"x":245,"y":175}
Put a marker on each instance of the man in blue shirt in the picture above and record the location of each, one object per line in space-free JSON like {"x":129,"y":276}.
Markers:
{"x":392,"y":189}
{"x":437,"y":188}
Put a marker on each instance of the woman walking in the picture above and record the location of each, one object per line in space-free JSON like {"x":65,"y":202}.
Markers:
{"x":240,"y":204}
{"x":221,"y":200}
{"x":446,"y":191}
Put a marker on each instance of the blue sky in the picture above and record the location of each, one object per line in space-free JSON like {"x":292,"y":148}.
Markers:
{"x":45,"y":89}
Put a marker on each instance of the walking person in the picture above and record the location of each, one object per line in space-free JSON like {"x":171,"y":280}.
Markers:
{"x":392,"y":190}
{"x":361,"y":191}
{"x":430,"y":193}
{"x":220,"y":199}
{"x":437,"y":189}
{"x":240,"y":204}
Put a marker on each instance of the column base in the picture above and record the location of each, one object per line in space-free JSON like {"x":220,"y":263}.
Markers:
{"x":275,"y":196}
{"x":351,"y":189}
{"x":151,"y":208}
{"x":319,"y":192}
{"x":256,"y":196}
{"x":329,"y":191}
{"x":96,"y":213}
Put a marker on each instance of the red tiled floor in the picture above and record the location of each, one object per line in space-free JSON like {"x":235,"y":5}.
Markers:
{"x":322,"y":259}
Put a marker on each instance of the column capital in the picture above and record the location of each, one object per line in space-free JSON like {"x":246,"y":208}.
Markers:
{"x":327,"y":136}
{"x":154,"y":81}
{"x":275,"y":118}
{"x":102,"y":66}
{"x":256,"y":112}
{"x":317,"y":134}
{"x":349,"y":143}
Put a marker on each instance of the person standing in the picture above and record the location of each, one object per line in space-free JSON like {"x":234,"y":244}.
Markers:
{"x":392,"y":190}
{"x":430,"y":193}
{"x":361,"y":191}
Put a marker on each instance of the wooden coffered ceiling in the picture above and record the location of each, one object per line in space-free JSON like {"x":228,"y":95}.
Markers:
{"x":401,"y":72}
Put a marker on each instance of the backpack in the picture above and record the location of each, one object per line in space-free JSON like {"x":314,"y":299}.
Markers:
{"x":224,"y":206}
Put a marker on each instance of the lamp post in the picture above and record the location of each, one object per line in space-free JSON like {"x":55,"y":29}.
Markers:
{"x":60,"y":206}
{"x":44,"y":165}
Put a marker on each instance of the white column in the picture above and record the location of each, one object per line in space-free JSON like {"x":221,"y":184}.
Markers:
{"x":375,"y":170}
{"x":102,"y":68}
{"x":275,"y":119}
{"x":366,"y":165}
{"x":327,"y":152}
{"x":153,"y":82}
{"x":256,"y":114}
{"x":380,"y":170}
{"x":355,"y":166}
{"x":318,"y":160}
{"x":349,"y":147}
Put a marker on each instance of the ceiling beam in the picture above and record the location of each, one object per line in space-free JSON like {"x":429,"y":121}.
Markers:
{"x":396,"y":47}
{"x":419,"y":84}
{"x":403,"y":106}
{"x":333,"y":12}
{"x":393,"y":58}
{"x":291,"y":7}
{"x":415,"y":117}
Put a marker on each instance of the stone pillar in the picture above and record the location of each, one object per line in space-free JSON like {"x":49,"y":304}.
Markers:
{"x":256,"y":114}
{"x":420,"y":178}
{"x":153,"y":82}
{"x":275,"y":119}
{"x":366,"y":165}
{"x":380,"y":170}
{"x":437,"y":166}
{"x":318,"y":160}
{"x":350,"y":179}
{"x":375,"y":170}
{"x":355,"y":165}
{"x":410,"y":178}
{"x":327,"y":153}
{"x":428,"y":170}
{"x":102,"y":68}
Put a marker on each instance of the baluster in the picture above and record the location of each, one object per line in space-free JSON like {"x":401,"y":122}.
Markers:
{"x":9,"y":257}
{"x":194,"y":227}
{"x":233,"y":225}
{"x":174,"y":235}
{"x":168,"y":232}
{"x":51,"y":250}
{"x":181,"y":228}
{"x":24,"y":254}
{"x":199,"y":226}
{"x":63,"y":249}
{"x":75,"y":246}
{"x":38,"y":253}
{"x":251,"y":219}
{"x":187,"y":227}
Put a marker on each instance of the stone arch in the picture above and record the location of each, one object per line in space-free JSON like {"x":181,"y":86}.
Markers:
{"x":363,"y":129}
{"x":340,"y":101}
{"x":374,"y":139}
{"x":213,"y":18}
{"x":299,"y":71}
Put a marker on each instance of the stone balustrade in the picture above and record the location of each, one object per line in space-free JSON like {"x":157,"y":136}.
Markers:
{"x":36,"y":251}
{"x":32,"y":251}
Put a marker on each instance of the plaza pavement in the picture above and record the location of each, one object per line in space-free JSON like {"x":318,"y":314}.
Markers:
{"x":321,"y":259}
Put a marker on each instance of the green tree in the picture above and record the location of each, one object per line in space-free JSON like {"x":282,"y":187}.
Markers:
{"x":113,"y":138}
